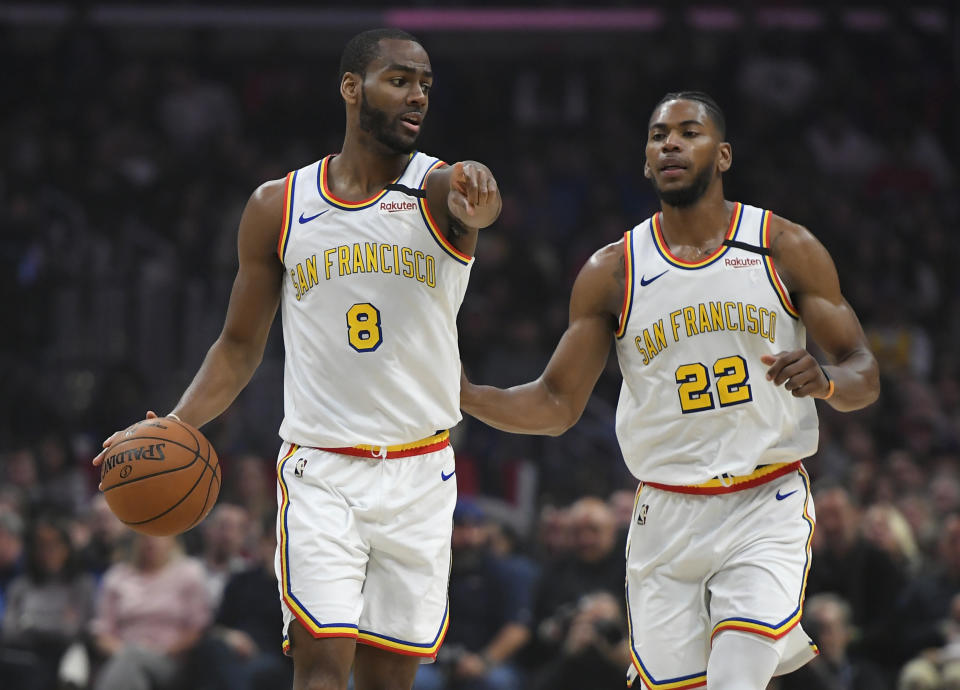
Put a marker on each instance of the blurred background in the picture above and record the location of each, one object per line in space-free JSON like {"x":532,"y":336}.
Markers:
{"x":131,"y":135}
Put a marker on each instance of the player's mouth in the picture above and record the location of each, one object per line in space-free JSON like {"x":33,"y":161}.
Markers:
{"x":412,"y":121}
{"x":672,"y":168}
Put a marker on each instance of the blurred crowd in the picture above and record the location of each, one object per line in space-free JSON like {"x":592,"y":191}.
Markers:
{"x":124,"y":173}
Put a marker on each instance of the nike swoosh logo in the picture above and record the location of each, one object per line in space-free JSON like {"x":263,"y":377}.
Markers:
{"x":445,"y":477}
{"x":644,"y":282}
{"x":307,"y":220}
{"x":780,"y":496}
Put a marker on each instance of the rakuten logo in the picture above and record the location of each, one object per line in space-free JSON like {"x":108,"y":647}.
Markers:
{"x":741,"y":263}
{"x":394,"y":206}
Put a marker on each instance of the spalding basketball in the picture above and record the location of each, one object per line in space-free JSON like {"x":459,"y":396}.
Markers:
{"x":161,"y":478}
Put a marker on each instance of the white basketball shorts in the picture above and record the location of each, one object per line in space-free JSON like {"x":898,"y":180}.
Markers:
{"x":363,"y":546}
{"x":698,"y":565}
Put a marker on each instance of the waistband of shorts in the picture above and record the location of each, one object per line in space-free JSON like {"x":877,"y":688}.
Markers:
{"x":426,"y":445}
{"x":728,"y":484}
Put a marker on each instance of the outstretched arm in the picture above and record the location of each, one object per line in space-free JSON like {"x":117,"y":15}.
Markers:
{"x":811,"y":277}
{"x":237,"y":352}
{"x":554,"y":402}
{"x":463,"y":198}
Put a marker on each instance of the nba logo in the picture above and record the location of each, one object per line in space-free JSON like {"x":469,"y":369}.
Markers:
{"x":298,"y":470}
{"x":642,"y":514}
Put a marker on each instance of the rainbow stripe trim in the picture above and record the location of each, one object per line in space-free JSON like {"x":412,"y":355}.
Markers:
{"x":316,"y":628}
{"x":772,"y":274}
{"x":342,"y":204}
{"x":777,"y":630}
{"x":728,"y":485}
{"x":391,"y":644}
{"x":432,"y":226}
{"x":284,"y":238}
{"x":403,"y":450}
{"x":628,"y":262}
{"x":694,"y":680}
{"x":656,"y":229}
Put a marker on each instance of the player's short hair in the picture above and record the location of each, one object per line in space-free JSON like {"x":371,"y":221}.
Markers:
{"x":713,"y":108}
{"x":365,"y":47}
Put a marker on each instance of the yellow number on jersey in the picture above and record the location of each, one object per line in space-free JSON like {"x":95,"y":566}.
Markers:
{"x":363,"y":327}
{"x":694,"y":382}
{"x":732,"y":387}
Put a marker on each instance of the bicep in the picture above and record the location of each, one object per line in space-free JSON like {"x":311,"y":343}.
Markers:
{"x":256,"y":288}
{"x":829,"y":319}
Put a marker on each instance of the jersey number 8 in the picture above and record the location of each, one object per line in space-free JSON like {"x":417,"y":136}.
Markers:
{"x":363,"y":327}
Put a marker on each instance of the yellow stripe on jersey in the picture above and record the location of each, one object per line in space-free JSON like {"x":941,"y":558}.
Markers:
{"x":287,"y":215}
{"x":772,"y":274}
{"x":628,"y":283}
{"x":408,"y":648}
{"x":438,"y":235}
{"x":399,"y":448}
{"x":327,"y":193}
{"x":777,"y":630}
{"x":316,"y":628}
{"x":664,"y":248}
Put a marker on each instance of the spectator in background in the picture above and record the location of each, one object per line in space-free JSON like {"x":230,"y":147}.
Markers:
{"x":105,"y":537}
{"x":226,"y":535}
{"x":490,"y":611}
{"x":151,"y":613}
{"x":250,"y":485}
{"x":595,"y":650}
{"x":244,"y":650}
{"x":848,"y":565}
{"x":928,"y":613}
{"x":11,"y":552}
{"x":885,"y":527}
{"x":827,"y":618}
{"x":595,"y":564}
{"x":47,"y":607}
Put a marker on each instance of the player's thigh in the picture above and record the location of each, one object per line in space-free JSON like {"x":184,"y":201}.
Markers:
{"x":320,"y":663}
{"x":378,"y":669}
{"x":321,"y":554}
{"x":670,"y":553}
{"x":405,"y":592}
{"x":760,"y":586}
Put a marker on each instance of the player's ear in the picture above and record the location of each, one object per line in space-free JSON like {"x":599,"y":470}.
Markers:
{"x":647,"y":173}
{"x":724,"y":156}
{"x":351,"y":86}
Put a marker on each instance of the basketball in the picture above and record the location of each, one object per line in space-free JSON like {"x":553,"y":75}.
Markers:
{"x":161,"y":478}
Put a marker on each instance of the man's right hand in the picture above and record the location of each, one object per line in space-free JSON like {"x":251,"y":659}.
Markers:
{"x":114,"y":437}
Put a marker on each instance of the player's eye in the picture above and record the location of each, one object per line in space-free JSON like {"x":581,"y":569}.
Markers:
{"x":656,"y":136}
{"x":690,"y":133}
{"x":398,"y":81}
{"x":426,"y":87}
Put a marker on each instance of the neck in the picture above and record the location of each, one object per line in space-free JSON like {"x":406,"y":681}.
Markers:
{"x":365,"y":166}
{"x":702,"y":225}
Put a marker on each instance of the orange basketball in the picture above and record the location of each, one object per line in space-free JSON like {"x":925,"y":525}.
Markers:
{"x":161,"y":478}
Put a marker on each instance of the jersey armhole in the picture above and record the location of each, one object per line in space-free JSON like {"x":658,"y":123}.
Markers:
{"x":287,"y":223}
{"x":439,"y":237}
{"x":771,"y":269}
{"x":627,"y":284}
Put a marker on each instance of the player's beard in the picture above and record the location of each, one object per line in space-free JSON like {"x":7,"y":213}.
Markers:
{"x":377,"y":124}
{"x":685,"y":196}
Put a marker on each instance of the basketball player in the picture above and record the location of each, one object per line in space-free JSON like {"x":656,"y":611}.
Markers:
{"x":368,"y":253}
{"x":708,"y":302}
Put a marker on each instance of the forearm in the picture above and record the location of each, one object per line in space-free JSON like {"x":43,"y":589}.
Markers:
{"x":529,"y":408}
{"x":226,"y":369}
{"x":856,"y":381}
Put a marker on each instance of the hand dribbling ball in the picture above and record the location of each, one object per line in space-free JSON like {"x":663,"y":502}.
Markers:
{"x":161,"y":477}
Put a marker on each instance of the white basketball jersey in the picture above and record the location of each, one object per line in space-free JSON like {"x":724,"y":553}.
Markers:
{"x":369,"y":308}
{"x":695,"y":402}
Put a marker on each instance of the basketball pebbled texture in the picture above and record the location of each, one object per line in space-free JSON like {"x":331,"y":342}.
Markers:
{"x":161,"y":478}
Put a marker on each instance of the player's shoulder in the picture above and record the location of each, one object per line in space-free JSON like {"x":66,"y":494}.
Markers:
{"x":787,"y":237}
{"x":608,"y":256}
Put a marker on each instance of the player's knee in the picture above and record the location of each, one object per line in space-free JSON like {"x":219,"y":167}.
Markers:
{"x":740,"y":661}
{"x":320,"y":678}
